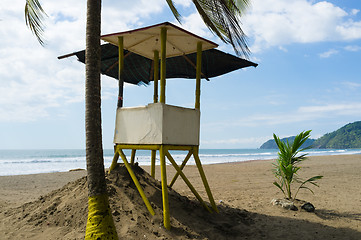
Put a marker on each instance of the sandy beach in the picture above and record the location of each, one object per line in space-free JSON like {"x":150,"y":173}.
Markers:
{"x":47,"y":206}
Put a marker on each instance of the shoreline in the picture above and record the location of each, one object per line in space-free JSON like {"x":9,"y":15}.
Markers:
{"x":157,"y":164}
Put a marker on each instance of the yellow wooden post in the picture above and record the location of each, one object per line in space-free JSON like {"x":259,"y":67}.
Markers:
{"x":137,"y":184}
{"x":166,"y":218}
{"x":181,"y":168}
{"x":198,"y":75}
{"x":132,"y":157}
{"x":115,"y":160}
{"x":204,"y":179}
{"x":152,"y":166}
{"x":163,"y":54}
{"x":120,"y":71}
{"x":156,"y":75}
{"x":179,"y":171}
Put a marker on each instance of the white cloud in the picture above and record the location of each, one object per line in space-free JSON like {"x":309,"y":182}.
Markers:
{"x":353,"y":48}
{"x":195,"y":24}
{"x":334,"y":109}
{"x":355,"y":11}
{"x":277,"y":23}
{"x":283,"y":49}
{"x":352,"y":85}
{"x":119,"y":16}
{"x":349,"y":30}
{"x":328,"y":54}
{"x":300,"y":115}
{"x":184,"y":3}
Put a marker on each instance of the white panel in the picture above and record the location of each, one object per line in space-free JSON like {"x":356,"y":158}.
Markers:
{"x":180,"y":126}
{"x":157,"y":123}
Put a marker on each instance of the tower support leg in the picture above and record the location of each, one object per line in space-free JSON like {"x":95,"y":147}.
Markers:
{"x":204,"y":179}
{"x":152,"y":166}
{"x":166,"y":218}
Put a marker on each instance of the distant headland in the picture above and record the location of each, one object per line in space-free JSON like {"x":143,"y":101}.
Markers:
{"x":348,"y":136}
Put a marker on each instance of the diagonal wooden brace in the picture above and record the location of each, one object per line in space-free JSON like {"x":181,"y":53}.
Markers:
{"x":136,"y":182}
{"x":181,"y":167}
{"x":170,"y":158}
{"x":204,"y":179}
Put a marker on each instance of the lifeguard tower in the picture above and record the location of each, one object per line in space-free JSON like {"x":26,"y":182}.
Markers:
{"x":159,"y":126}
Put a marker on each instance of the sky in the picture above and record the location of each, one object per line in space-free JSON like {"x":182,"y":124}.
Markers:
{"x":308,"y":78}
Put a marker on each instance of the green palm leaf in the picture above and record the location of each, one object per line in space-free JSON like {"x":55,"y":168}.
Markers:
{"x":174,"y":10}
{"x":34,"y":16}
{"x":222,"y":18}
{"x":279,"y":186}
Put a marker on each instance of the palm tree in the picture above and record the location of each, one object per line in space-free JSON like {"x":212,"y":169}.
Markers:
{"x":286,"y":167}
{"x":100,"y":222}
{"x":220,"y":16}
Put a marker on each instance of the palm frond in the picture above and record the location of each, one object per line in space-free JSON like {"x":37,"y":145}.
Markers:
{"x":300,"y":139}
{"x":34,"y":16}
{"x":222,"y":18}
{"x":311,"y":181}
{"x":279,"y":186}
{"x":174,"y":10}
{"x":242,"y":5}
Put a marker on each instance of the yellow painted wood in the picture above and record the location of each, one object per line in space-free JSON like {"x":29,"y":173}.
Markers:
{"x":204,"y":179}
{"x":136,"y":182}
{"x":163,"y":43}
{"x":115,"y":161}
{"x":193,"y":65}
{"x":198,"y":75}
{"x":166,"y":217}
{"x":132,"y":157}
{"x":179,"y":147}
{"x":139,"y":146}
{"x":156,"y":75}
{"x":120,"y":70}
{"x":121,"y":54}
{"x":185,"y":179}
{"x":181,"y":168}
{"x":152,"y":166}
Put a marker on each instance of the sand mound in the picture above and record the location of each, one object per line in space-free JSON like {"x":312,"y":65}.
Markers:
{"x":62,"y":214}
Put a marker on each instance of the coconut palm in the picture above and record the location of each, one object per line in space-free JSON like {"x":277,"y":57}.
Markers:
{"x":287,"y":166}
{"x":220,"y":16}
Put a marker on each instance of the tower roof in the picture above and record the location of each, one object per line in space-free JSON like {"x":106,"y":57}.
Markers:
{"x":144,"y":41}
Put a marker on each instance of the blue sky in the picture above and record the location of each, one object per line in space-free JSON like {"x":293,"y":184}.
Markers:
{"x":309,"y":74}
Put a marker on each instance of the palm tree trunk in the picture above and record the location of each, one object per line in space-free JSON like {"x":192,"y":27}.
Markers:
{"x":94,"y":148}
{"x":100,"y":220}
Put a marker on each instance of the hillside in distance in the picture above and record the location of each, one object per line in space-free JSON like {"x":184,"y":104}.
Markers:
{"x":348,"y":136}
{"x":271,"y":144}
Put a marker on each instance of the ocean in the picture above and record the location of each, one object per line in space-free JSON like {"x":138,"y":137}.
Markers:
{"x":19,"y":162}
